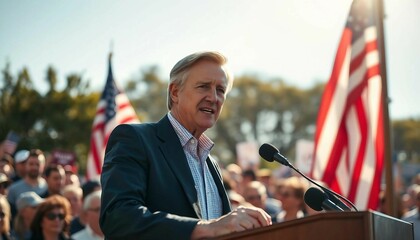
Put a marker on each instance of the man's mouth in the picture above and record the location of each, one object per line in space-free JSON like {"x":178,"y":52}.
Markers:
{"x":207,"y":110}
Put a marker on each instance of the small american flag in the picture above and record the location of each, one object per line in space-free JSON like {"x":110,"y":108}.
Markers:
{"x":113,"y":109}
{"x":349,"y":140}
{"x":11,"y":142}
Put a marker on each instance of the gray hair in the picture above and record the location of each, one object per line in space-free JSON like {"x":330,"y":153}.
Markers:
{"x":73,"y":189}
{"x":180,"y":71}
{"x":89,"y":198}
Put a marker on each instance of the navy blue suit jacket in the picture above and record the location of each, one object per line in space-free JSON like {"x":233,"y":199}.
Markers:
{"x":148,"y":189}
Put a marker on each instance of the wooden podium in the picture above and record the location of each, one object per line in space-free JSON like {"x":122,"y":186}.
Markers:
{"x":368,"y":225}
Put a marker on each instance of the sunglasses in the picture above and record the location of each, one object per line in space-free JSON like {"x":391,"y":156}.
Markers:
{"x":4,"y":185}
{"x":2,"y":215}
{"x":53,"y":216}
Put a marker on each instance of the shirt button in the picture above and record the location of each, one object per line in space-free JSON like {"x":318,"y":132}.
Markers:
{"x":193,"y":141}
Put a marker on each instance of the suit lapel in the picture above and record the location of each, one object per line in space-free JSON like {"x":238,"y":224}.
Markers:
{"x":177,"y":161}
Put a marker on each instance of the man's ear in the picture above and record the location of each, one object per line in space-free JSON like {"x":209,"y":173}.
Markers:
{"x":173,"y":92}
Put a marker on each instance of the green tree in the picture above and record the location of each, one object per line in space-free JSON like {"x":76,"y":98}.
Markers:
{"x":255,"y":110}
{"x":59,"y":119}
{"x":20,"y":104}
{"x":148,"y":94}
{"x":406,"y":138}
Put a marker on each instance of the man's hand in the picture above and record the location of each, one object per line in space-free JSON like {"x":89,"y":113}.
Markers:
{"x":240,"y":219}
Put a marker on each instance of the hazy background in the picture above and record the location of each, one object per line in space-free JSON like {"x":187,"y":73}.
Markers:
{"x":295,"y":40}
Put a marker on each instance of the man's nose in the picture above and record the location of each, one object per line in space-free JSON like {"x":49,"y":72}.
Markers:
{"x":212,"y":95}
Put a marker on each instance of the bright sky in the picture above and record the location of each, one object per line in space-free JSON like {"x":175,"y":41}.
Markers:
{"x":295,"y":40}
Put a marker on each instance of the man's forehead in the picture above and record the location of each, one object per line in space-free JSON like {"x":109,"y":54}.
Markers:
{"x":39,"y":158}
{"x":212,"y":80}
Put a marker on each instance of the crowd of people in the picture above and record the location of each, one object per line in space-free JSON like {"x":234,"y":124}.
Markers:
{"x":41,"y":200}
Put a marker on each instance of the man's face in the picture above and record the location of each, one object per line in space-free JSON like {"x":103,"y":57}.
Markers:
{"x":197,"y":104}
{"x":34,"y":167}
{"x":252,"y":196}
{"x":55,"y":181}
{"x":92,"y":215}
{"x":29,"y":212}
{"x":21,"y":168}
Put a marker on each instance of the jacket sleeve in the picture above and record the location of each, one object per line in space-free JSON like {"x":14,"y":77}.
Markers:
{"x":124,"y":214}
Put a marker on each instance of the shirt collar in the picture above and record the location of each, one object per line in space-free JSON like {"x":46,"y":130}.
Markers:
{"x":184,"y":135}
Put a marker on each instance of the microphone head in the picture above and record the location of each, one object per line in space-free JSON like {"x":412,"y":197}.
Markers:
{"x":267,"y":151}
{"x":314,"y":198}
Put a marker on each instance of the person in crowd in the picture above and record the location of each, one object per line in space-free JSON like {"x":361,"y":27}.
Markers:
{"x":52,"y":219}
{"x":71,"y":176}
{"x":5,"y":216}
{"x":78,"y":223}
{"x":27,"y":204}
{"x":91,"y":207}
{"x":90,"y":186}
{"x":33,"y":180}
{"x":235,"y":172}
{"x":6,"y":165}
{"x":409,"y":197}
{"x":20,"y":164}
{"x":235,"y":198}
{"x":264,"y":176}
{"x":255,"y":193}
{"x":55,"y":177}
{"x":4,"y":184}
{"x":74,"y":195}
{"x":173,"y":154}
{"x":248,"y":176}
{"x":413,"y":216}
{"x":290,"y":193}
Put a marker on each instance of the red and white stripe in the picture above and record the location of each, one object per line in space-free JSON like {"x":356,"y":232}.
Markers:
{"x":101,"y":131}
{"x":349,"y":141}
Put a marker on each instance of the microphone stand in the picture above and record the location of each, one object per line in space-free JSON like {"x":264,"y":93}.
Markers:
{"x":326,"y":190}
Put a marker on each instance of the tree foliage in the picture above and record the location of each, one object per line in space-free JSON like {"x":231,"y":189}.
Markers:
{"x":406,"y":138}
{"x":261,"y":110}
{"x":58,"y":119}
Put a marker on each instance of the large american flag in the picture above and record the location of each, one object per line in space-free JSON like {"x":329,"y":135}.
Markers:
{"x":113,"y":109}
{"x":349,"y":138}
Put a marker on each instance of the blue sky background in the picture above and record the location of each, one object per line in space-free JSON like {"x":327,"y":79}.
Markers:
{"x":295,"y":40}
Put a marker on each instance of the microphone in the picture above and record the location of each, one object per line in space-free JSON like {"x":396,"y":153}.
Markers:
{"x":318,"y":200}
{"x":271,"y":153}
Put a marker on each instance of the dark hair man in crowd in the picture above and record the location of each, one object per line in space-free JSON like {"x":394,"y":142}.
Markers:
{"x":55,"y":177}
{"x":159,"y":180}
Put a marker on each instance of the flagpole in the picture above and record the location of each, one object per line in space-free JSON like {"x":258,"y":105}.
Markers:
{"x":389,"y":179}
{"x":111,"y":48}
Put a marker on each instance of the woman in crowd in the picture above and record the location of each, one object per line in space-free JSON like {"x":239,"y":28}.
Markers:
{"x":52,"y":219}
{"x":290,"y":192}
